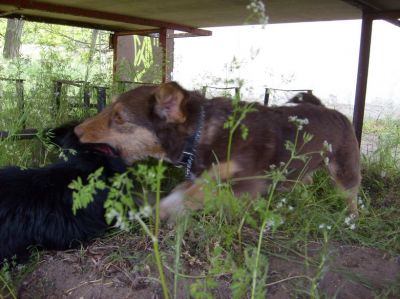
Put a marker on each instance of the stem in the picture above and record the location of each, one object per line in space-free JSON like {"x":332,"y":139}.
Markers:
{"x":160,"y":269}
{"x":255,"y":270}
{"x":156,"y":231}
{"x":158,"y":191}
{"x":179,"y":236}
{"x":8,"y":287}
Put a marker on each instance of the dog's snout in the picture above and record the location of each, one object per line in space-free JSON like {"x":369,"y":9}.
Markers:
{"x":78,"y":131}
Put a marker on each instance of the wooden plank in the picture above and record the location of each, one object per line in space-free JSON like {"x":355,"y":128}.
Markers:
{"x":100,"y":15}
{"x":23,"y":134}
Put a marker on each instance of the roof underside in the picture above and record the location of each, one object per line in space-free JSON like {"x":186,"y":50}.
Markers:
{"x":183,"y":15}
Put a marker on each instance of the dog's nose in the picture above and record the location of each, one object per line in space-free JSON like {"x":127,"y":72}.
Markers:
{"x":78,"y":131}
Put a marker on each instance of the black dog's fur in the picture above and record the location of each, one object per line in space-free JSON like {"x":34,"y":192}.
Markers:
{"x":36,"y":203}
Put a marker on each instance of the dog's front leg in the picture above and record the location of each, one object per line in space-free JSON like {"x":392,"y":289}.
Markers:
{"x":174,"y":204}
{"x":189,"y":195}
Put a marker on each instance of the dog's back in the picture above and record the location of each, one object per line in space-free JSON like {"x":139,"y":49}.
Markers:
{"x":305,"y":97}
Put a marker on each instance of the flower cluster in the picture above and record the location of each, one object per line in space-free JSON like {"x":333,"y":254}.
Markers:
{"x":326,"y":148}
{"x":361,"y":203}
{"x":350,"y":222}
{"x":323,"y":226}
{"x":120,"y":221}
{"x":282,"y":203}
{"x":257,"y":9}
{"x":299,"y":122}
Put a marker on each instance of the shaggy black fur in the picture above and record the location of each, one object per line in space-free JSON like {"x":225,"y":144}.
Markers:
{"x":36,"y":203}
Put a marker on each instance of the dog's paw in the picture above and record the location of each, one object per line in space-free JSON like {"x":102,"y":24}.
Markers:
{"x":172,"y":206}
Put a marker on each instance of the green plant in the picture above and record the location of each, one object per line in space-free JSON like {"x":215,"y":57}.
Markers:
{"x":6,"y":282}
{"x":120,"y":206}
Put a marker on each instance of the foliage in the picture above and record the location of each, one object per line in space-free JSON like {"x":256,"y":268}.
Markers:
{"x":84,"y":191}
{"x":48,"y":53}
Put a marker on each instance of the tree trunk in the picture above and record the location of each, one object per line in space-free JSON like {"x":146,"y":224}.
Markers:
{"x":92,"y":50}
{"x":12,"y":40}
{"x":86,"y":94}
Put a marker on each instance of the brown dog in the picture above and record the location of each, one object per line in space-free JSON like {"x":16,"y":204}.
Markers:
{"x":183,"y":127}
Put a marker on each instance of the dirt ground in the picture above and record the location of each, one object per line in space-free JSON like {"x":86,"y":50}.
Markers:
{"x":100,"y":272}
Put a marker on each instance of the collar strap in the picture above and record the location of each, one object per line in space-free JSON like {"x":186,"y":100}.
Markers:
{"x":189,"y":151}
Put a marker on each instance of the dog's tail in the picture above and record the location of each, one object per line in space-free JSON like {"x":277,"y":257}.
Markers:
{"x":305,"y":97}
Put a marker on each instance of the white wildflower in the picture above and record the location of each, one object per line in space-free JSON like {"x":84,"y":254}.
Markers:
{"x":112,"y":214}
{"x":300,"y":123}
{"x":327,"y":146}
{"x":325,"y":226}
{"x":257,"y":9}
{"x":270,"y":224}
{"x":146,"y":211}
{"x":349,"y":221}
{"x":361,"y":203}
{"x":290,"y":208}
{"x":121,"y":224}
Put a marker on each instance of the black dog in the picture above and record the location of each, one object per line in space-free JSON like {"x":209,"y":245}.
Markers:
{"x":36,"y":203}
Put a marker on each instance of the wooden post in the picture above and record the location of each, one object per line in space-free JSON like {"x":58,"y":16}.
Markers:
{"x":164,"y":55}
{"x":19,"y":88}
{"x":266,"y":96}
{"x":57,"y":97}
{"x":362,"y":75}
{"x":86,"y":97}
{"x":101,"y":97}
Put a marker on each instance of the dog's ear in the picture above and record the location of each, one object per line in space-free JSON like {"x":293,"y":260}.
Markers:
{"x":170,"y":102}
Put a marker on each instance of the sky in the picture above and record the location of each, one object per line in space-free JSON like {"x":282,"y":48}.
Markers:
{"x":322,"y":56}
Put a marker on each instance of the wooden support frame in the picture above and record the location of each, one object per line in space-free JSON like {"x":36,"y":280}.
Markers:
{"x":371,"y":12}
{"x":95,"y":14}
{"x":362,"y":75}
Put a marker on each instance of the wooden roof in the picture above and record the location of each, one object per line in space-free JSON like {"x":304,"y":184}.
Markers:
{"x":182,"y":15}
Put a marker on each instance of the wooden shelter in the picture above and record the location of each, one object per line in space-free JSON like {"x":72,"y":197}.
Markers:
{"x":183,"y":18}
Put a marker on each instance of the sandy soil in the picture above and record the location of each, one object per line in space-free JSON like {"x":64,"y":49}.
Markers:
{"x":100,"y":272}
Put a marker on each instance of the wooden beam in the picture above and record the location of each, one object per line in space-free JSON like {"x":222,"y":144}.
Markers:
{"x":143,"y":32}
{"x":61,"y":21}
{"x":391,"y":16}
{"x":100,"y":15}
{"x":362,"y":75}
{"x":387,"y":14}
{"x":376,"y":11}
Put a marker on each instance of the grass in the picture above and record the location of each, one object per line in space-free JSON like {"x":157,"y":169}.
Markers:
{"x":239,"y":240}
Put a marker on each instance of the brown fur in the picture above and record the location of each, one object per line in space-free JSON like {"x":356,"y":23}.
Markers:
{"x":155,"y":121}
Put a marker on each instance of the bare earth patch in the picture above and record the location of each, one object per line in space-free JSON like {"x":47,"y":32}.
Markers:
{"x":107,"y":270}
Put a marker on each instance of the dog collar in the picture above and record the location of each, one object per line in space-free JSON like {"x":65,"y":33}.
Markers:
{"x":189,"y":151}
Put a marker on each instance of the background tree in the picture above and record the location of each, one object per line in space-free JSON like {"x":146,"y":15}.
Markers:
{"x":12,"y":39}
